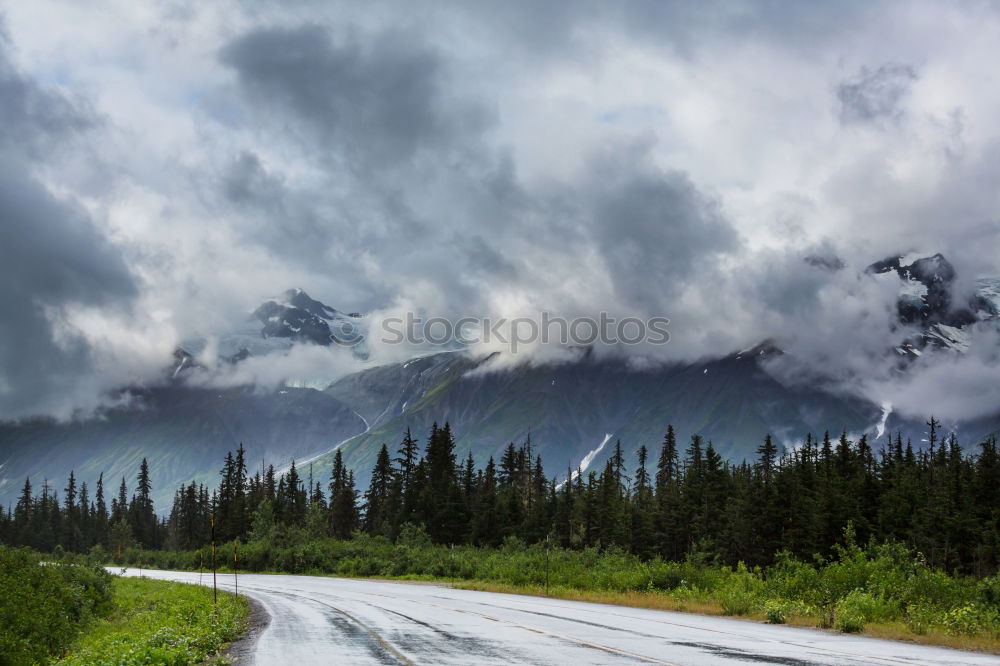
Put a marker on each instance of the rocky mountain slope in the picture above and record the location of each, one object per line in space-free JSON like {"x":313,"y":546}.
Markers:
{"x":183,"y":431}
{"x":574,"y":412}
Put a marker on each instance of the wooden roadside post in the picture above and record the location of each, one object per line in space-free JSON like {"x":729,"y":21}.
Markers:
{"x":236,"y":567}
{"x":548,"y":547}
{"x":215,"y":588}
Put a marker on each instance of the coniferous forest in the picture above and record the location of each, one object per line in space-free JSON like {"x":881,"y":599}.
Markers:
{"x":679,"y":500}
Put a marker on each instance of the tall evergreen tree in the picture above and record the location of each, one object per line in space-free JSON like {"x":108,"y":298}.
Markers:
{"x":343,"y":502}
{"x":100,"y":522}
{"x":141,"y":516}
{"x":377,"y":498}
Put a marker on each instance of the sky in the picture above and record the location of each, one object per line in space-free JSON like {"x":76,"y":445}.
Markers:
{"x":167,"y":166}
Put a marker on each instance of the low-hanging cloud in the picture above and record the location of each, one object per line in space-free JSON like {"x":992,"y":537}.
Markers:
{"x":957,"y":387}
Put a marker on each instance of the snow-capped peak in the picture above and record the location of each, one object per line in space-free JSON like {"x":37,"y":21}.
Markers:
{"x":926,"y":299}
{"x":299,"y":317}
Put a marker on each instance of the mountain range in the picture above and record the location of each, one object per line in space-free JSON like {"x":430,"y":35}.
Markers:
{"x":573,"y":411}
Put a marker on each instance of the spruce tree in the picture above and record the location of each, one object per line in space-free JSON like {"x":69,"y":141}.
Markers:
{"x":343,"y":503}
{"x":141,"y":516}
{"x":377,"y":500}
{"x":642,"y":510}
{"x":24,"y":515}
{"x":100,"y":513}
{"x":292,"y":497}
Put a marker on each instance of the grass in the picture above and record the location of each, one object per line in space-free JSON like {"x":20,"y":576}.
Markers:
{"x":159,"y":622}
{"x":633,"y":599}
{"x":897,"y":631}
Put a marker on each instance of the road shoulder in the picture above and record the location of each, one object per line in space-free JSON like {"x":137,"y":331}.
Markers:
{"x":241,"y":650}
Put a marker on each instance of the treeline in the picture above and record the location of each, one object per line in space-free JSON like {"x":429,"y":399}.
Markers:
{"x":684,"y":500}
{"x":80,"y":522}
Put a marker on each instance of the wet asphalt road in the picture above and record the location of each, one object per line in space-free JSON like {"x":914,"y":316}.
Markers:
{"x":315,"y":620}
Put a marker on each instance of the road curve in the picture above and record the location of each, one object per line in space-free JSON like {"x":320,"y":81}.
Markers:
{"x":317,"y":620}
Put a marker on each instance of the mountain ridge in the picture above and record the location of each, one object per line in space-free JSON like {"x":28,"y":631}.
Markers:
{"x":569,"y":408}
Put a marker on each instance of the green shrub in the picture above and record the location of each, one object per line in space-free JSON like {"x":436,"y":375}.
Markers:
{"x":972,"y":620}
{"x":919,"y":619}
{"x":774,"y":612}
{"x":857,"y":609}
{"x":988,"y":591}
{"x":962,"y":620}
{"x":44,"y":605}
{"x":789,"y":578}
{"x":741,"y":594}
{"x":665,"y":575}
{"x":413,"y":536}
{"x":928,"y":587}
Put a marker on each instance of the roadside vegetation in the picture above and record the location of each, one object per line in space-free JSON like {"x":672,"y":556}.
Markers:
{"x":159,"y":622}
{"x":64,"y":609}
{"x":883,"y":590}
{"x":44,"y":606}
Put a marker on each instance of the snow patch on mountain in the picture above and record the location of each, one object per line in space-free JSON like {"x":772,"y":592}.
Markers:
{"x":589,"y":458}
{"x":913,"y":292}
{"x":880,"y":426}
{"x":314,"y":458}
{"x":950,"y":337}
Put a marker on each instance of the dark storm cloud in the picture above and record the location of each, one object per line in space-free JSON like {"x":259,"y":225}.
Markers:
{"x":875,"y":94}
{"x":373,"y":114}
{"x":248,"y":185}
{"x":384,"y":101}
{"x":788,"y":283}
{"x":481,"y":259}
{"x":51,"y":255}
{"x":657,"y":232}
{"x":451,"y":211}
{"x":322,"y":226}
{"x":284,"y":222}
{"x":379,"y":99}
